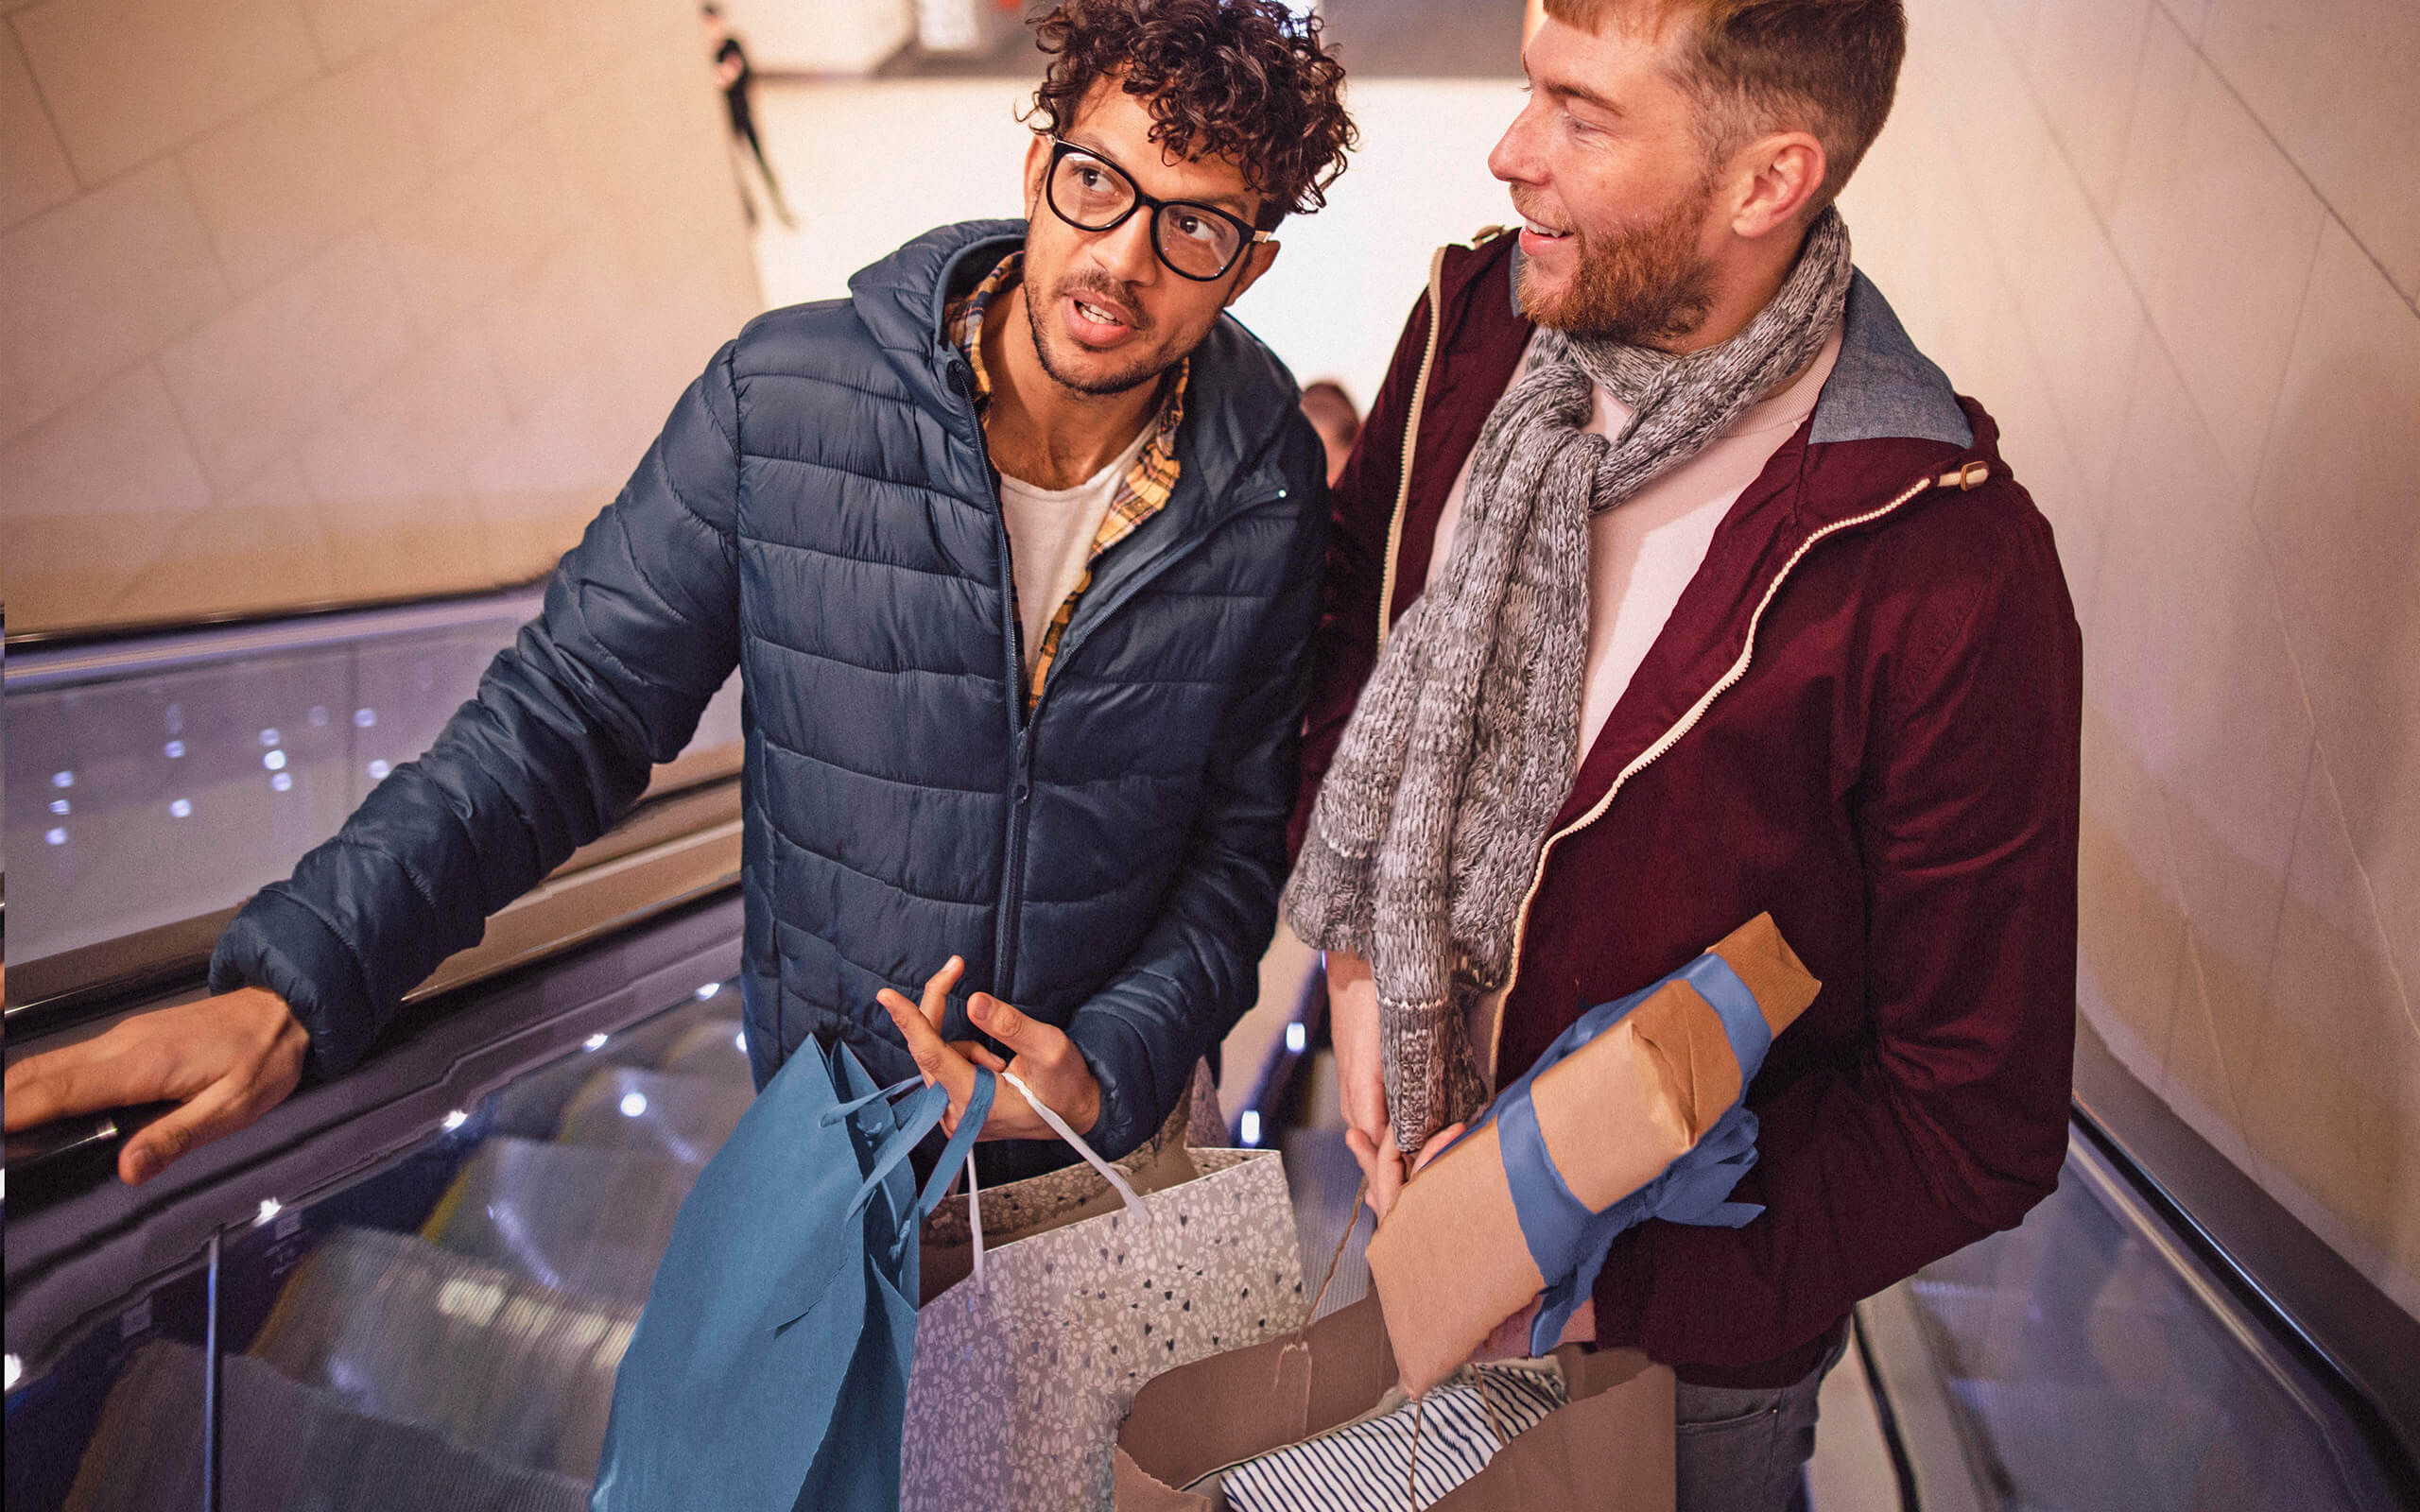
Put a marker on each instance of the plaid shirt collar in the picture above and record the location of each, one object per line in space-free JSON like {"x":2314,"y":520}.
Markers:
{"x":1141,"y":493}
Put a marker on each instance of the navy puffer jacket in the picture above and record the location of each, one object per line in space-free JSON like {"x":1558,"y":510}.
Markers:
{"x":820,"y":511}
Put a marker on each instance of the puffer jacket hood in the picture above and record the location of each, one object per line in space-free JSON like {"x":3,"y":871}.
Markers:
{"x":820,"y":513}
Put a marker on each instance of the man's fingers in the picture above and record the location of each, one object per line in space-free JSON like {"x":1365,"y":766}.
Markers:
{"x":1024,"y":1036}
{"x":934,"y":1057}
{"x":1436,"y":1146}
{"x":219,"y":1110}
{"x":936,"y":1004}
{"x":973,"y":1051}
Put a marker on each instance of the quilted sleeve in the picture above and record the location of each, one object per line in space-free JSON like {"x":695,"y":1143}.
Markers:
{"x":640,"y":628}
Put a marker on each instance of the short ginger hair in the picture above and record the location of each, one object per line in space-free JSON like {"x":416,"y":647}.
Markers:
{"x":1830,"y":67}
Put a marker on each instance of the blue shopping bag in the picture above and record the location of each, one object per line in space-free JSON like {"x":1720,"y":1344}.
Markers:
{"x":769,"y":1368}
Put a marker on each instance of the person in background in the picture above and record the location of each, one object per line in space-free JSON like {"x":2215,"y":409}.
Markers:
{"x":1016,"y":551}
{"x":738,"y":83}
{"x":1670,"y":585}
{"x":1333,"y":416}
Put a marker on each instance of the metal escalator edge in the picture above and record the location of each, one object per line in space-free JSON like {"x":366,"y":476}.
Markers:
{"x":2351,"y":1334}
{"x":70,"y":1262}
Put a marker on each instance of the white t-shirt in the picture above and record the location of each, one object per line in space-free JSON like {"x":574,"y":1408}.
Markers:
{"x":1050,"y":538}
{"x":1643,"y":554}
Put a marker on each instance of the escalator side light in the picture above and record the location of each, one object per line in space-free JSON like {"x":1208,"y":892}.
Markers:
{"x":595,"y":1042}
{"x":16,"y":1371}
{"x":1296,"y":1038}
{"x":708,"y":990}
{"x":271,"y":1208}
{"x":456,"y":1120}
{"x":1248,"y":1127}
{"x":634,"y":1104}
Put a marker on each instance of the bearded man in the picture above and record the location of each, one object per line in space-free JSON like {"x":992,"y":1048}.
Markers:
{"x":1672,"y":585}
{"x":1016,"y":552}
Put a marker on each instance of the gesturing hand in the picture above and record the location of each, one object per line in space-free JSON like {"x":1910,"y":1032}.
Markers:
{"x":1043,"y":1058}
{"x":1385,"y":1167}
{"x":226,"y":1059}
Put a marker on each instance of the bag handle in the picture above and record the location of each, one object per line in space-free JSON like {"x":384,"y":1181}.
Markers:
{"x":951,"y":1159}
{"x":834,"y":1115}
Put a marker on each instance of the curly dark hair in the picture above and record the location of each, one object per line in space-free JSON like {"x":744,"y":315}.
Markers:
{"x":1246,"y":79}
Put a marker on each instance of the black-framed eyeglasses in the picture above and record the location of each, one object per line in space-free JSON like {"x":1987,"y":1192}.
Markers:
{"x":1196,"y":241}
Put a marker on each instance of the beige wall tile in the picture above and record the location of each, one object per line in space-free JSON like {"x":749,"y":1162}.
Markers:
{"x":476,"y":229}
{"x":2189,"y":15}
{"x":84,"y":498}
{"x":2210,"y":1049}
{"x":2230,"y":234}
{"x":251,"y":382}
{"x":392,"y":470}
{"x":2335,"y":82}
{"x":556,"y":322}
{"x":257,"y":547}
{"x":2339,"y":505}
{"x":2163,"y":91}
{"x":34,"y":174}
{"x":95,"y":284}
{"x":286,"y":181}
{"x":2081,"y":56}
{"x":2198,"y":672}
{"x":2336,"y":1106}
{"x":473,"y":74}
{"x":2131,"y":932}
{"x":127,"y":79}
{"x":347,"y":29}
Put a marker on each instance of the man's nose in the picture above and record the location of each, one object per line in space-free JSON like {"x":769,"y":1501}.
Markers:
{"x":1124,"y":251}
{"x":1515,"y":159}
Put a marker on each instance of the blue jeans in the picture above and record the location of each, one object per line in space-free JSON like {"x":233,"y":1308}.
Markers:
{"x":1744,"y":1451}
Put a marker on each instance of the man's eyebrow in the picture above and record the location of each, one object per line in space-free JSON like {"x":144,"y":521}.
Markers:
{"x":1237,"y":202}
{"x":1565,"y":89}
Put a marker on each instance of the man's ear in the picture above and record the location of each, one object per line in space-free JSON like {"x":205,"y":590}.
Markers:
{"x":1780,"y":177}
{"x":1037,"y":166}
{"x":1256,"y":264}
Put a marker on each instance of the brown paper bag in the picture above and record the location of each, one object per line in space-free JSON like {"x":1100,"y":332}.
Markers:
{"x":1611,"y":1448}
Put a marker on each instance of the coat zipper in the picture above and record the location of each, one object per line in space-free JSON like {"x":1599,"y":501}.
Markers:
{"x":1004,"y":948}
{"x":1969,"y":477}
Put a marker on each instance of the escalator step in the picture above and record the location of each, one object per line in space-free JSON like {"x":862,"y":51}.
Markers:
{"x":710,"y":1049}
{"x":284,"y":1447}
{"x":572,"y":1218}
{"x":401,"y":1329}
{"x":624,"y":1108}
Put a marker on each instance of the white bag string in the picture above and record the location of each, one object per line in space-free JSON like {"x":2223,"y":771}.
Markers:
{"x":1126,"y":1193}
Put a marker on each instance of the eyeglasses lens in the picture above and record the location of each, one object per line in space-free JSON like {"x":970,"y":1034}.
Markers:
{"x":1197,"y":245}
{"x":1091,"y":195}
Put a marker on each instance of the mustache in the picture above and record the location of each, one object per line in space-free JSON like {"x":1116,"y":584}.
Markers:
{"x":1107,"y":290}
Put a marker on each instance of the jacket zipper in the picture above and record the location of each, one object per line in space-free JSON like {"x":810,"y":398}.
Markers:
{"x":1004,"y":948}
{"x":1970,"y":476}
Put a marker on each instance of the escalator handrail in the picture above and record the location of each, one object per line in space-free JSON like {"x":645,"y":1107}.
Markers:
{"x":35,"y":662}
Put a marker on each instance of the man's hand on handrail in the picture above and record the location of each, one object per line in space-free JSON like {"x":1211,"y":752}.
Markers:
{"x":223,"y":1060}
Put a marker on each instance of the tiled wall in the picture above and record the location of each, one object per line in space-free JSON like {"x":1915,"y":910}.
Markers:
{"x":335,"y":300}
{"x":2174,"y":245}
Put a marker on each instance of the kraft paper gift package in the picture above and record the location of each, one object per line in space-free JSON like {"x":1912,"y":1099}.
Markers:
{"x":1633,"y":1113}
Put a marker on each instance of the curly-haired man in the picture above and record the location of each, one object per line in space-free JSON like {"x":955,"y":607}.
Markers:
{"x":1016,"y":550}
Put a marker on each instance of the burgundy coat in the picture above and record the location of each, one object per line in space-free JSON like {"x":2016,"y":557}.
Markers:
{"x":1863,"y":716}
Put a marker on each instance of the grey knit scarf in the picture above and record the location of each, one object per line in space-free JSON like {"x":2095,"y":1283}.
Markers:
{"x":1432,"y":816}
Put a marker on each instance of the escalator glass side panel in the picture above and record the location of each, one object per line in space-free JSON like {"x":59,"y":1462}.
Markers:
{"x":2091,"y":1362}
{"x":146,"y":797}
{"x":124,"y":1401}
{"x":474,"y":1297}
